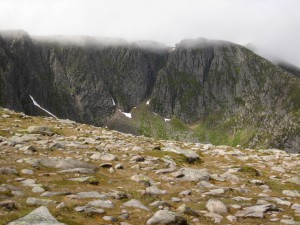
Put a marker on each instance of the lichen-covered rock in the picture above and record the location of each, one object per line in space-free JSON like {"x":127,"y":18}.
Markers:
{"x":39,"y":216}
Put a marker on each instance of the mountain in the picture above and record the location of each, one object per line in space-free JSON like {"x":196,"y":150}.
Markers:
{"x":201,"y":90}
{"x":289,"y":68}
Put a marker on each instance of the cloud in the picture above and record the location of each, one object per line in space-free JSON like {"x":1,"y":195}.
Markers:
{"x":270,"y":25}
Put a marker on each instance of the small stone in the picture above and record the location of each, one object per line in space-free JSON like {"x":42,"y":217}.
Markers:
{"x":291,"y":193}
{"x":37,"y":201}
{"x":257,"y":182}
{"x":37,"y":189}
{"x":8,"y":171}
{"x":187,"y":210}
{"x":137,"y":158}
{"x":102,"y":204}
{"x":40,"y":130}
{"x":278,"y":169}
{"x":9,"y":205}
{"x":26,"y":171}
{"x":185,"y":193}
{"x":166,"y":217}
{"x":173,"y":199}
{"x":110,"y":218}
{"x":216,"y":206}
{"x":61,"y":205}
{"x":231,"y":218}
{"x":136,"y":204}
{"x":119,"y":166}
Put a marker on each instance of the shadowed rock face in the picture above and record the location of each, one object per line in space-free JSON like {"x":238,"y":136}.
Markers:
{"x":220,"y":85}
{"x":74,"y":81}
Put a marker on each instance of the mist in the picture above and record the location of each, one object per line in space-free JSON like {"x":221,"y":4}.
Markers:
{"x":271,"y":26}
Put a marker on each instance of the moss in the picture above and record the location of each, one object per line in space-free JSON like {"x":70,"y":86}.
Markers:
{"x":178,"y":124}
{"x":249,"y":170}
{"x":93,"y":181}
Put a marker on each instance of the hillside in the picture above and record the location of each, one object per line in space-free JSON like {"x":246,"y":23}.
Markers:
{"x":62,"y":172}
{"x":211,"y":91}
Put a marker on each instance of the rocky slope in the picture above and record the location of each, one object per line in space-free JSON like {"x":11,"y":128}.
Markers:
{"x":215,"y":91}
{"x":62,"y":172}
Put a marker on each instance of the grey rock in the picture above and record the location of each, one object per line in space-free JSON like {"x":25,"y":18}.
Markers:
{"x":296,"y":206}
{"x":81,"y":179}
{"x":174,"y":199}
{"x":187,"y":210}
{"x":231,"y":218}
{"x":205,"y":184}
{"x":214,"y":192}
{"x":39,"y":216}
{"x":189,"y":174}
{"x":67,"y":163}
{"x":88,"y":209}
{"x":278,"y":169}
{"x":28,"y":148}
{"x":37,"y":189}
{"x":8,"y":204}
{"x":157,"y":204}
{"x":91,"y":194}
{"x":78,"y":170}
{"x":26,"y":171}
{"x":291,"y":193}
{"x":295,"y":180}
{"x":216,"y":217}
{"x":25,"y":138}
{"x":289,"y":221}
{"x":256,"y":211}
{"x":185,"y":193}
{"x":231,"y":178}
{"x":102,"y":204}
{"x":137,"y":158}
{"x":108,"y":157}
{"x":61,"y":205}
{"x":8,"y":171}
{"x":140,"y":178}
{"x":166,"y":217}
{"x":136,"y":204}
{"x":257,"y":182}
{"x":37,"y":201}
{"x":56,"y":145}
{"x":190,"y":155}
{"x":119,"y":166}
{"x":28,"y":182}
{"x":40,"y":130}
{"x":57,"y":193}
{"x":216,"y":206}
{"x":153,"y":190}
{"x":110,"y":218}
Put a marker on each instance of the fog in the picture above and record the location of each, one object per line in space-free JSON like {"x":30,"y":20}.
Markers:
{"x":271,"y":26}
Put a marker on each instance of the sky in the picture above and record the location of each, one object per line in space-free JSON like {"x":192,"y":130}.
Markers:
{"x":271,"y":26}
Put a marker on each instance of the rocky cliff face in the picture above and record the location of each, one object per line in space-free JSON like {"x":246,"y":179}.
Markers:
{"x":226,"y":92}
{"x":82,"y":82}
{"x":231,"y":92}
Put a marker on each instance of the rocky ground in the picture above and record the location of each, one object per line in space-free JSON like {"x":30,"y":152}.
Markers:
{"x":62,"y":172}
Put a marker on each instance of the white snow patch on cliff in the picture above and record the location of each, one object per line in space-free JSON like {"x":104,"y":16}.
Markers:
{"x":127,"y":114}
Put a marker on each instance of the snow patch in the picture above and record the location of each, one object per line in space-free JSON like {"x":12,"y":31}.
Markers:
{"x":37,"y":105}
{"x":148,"y":102}
{"x":167,"y":120}
{"x":113,"y":102}
{"x":127,"y":114}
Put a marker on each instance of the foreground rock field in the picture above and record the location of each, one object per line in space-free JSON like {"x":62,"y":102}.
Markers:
{"x":61,"y":172}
